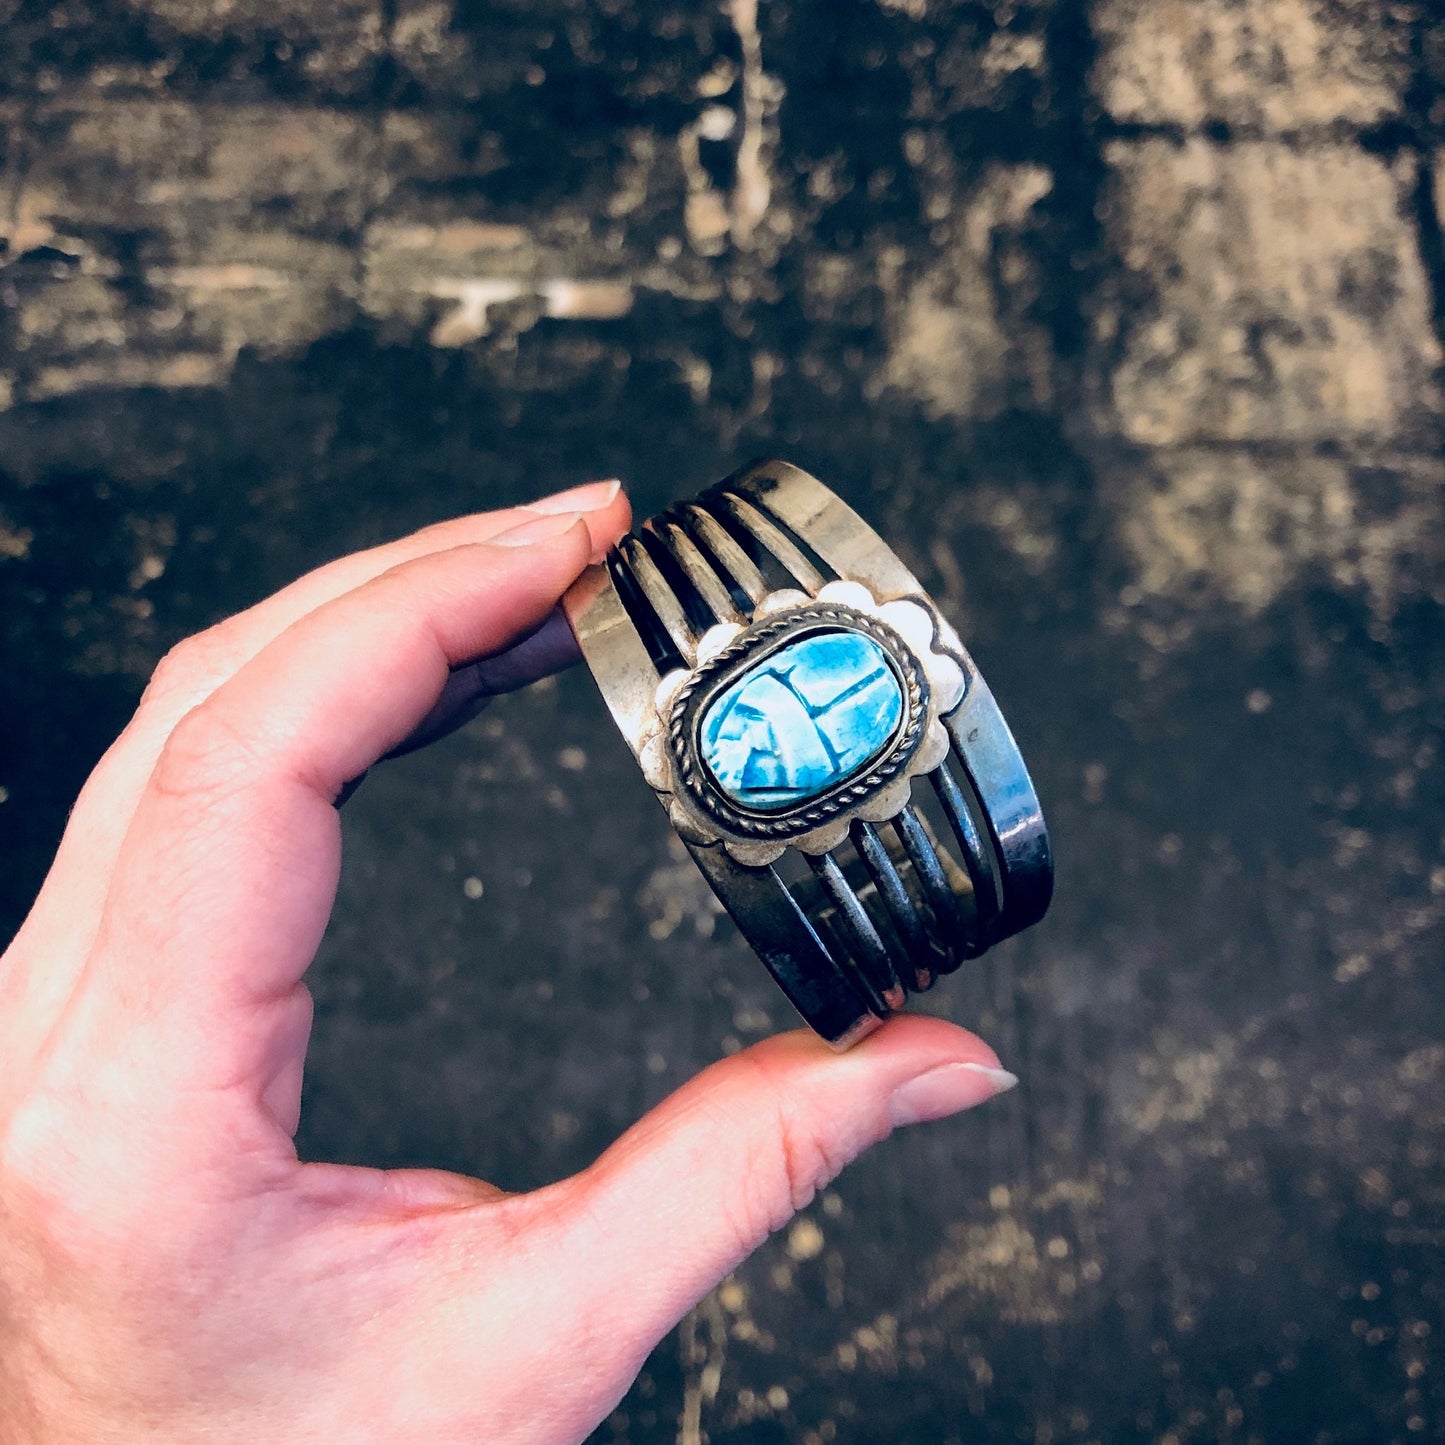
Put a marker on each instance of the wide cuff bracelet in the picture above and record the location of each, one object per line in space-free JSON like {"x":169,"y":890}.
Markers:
{"x":822,"y":742}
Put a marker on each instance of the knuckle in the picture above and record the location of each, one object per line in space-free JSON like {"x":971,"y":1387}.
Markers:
{"x":44,"y":1177}
{"x":790,"y":1161}
{"x":804,"y":1159}
{"x":192,"y":669}
{"x":202,"y":756}
{"x":62,"y":1197}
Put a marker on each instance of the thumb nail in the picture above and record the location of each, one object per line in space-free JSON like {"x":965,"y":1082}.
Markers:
{"x":946,"y":1090}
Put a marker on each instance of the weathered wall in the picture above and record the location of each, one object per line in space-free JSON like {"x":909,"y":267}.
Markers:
{"x":1123,"y":318}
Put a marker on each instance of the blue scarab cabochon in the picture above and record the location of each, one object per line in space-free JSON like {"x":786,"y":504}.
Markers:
{"x":801,"y":720}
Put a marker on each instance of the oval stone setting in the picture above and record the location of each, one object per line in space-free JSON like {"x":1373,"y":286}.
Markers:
{"x":801,"y":720}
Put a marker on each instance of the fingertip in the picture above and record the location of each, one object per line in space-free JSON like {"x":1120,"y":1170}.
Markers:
{"x":539,"y":531}
{"x":608,"y":524}
{"x":929,"y":1042}
{"x":603,"y":505}
{"x":913,"y":1068}
{"x":931,"y":1069}
{"x":946,"y":1090}
{"x":590,"y":496}
{"x":601,"y":528}
{"x":905,"y":1044}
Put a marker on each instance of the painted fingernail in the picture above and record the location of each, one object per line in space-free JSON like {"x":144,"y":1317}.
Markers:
{"x":946,"y":1090}
{"x":590,"y":497}
{"x":536,"y":529}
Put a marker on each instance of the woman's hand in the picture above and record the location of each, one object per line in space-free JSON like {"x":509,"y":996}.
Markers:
{"x":169,"y":1269}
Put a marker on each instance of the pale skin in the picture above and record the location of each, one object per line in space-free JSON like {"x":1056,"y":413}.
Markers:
{"x":169,"y":1269}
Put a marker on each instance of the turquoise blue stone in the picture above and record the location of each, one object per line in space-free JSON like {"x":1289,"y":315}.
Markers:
{"x":801,"y":720}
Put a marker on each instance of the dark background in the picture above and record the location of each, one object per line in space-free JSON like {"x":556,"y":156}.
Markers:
{"x":1121,"y":320}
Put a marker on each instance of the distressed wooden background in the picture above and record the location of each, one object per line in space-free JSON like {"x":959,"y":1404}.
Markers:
{"x":1123,"y":318}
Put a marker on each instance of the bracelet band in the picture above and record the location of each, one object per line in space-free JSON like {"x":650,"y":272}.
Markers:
{"x":824,"y":745}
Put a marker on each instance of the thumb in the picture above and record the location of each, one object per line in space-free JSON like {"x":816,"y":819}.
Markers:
{"x":693,"y":1188}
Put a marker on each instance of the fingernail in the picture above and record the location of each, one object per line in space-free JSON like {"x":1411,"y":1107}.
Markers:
{"x":946,"y":1090}
{"x":536,"y":529}
{"x":590,"y":497}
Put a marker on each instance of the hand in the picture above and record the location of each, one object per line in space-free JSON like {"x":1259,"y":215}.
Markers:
{"x":169,"y":1270}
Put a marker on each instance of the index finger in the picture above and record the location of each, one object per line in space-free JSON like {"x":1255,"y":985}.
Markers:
{"x":50,"y":946}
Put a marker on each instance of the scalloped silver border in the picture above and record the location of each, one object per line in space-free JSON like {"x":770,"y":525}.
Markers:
{"x":763,"y":637}
{"x":924,"y":632}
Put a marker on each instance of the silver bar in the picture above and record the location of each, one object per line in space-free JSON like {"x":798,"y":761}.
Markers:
{"x":931,"y":869}
{"x":977,"y":854}
{"x":834,"y":530}
{"x":660,"y":596}
{"x":870,"y":957}
{"x":719,"y":541}
{"x":698,"y":570}
{"x":610,"y":640}
{"x":775,"y":540}
{"x":894,"y":893}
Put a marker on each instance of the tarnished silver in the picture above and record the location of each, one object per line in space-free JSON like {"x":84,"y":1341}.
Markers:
{"x":884,"y":905}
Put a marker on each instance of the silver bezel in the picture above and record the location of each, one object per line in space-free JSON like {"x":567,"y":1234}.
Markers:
{"x":934,"y":681}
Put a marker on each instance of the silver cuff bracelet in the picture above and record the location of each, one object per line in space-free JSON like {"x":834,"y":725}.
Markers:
{"x":822,"y":742}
